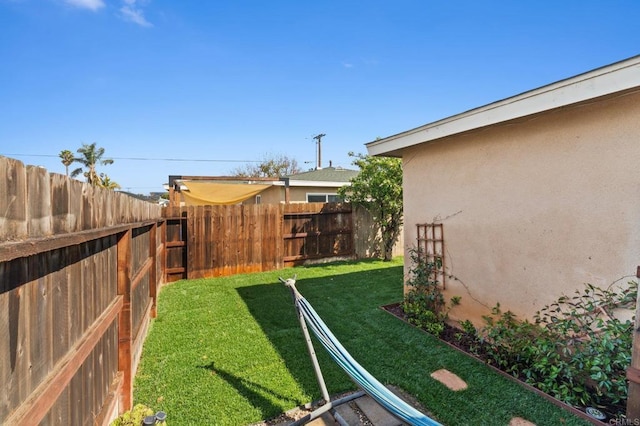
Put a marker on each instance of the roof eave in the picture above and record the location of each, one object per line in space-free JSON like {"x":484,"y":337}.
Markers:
{"x":618,"y":77}
{"x":317,"y":183}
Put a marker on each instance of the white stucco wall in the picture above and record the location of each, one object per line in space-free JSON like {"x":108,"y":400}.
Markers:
{"x":533,"y":208}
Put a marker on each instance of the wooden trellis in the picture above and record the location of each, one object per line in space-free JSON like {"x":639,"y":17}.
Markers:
{"x":431,"y":245}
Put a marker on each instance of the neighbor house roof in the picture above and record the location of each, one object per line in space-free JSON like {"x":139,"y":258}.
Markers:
{"x":333,"y":176}
{"x":614,"y":79}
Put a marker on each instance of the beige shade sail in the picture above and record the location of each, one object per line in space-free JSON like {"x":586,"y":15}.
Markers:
{"x":211,"y":193}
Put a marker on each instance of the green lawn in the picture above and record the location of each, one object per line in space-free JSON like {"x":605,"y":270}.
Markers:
{"x":229,"y":351}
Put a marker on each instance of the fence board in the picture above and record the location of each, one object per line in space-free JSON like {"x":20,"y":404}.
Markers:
{"x":13,"y":199}
{"x":175,"y":243}
{"x":40,"y":348}
{"x":60,"y":205}
{"x":39,"y":202}
{"x":5,"y":364}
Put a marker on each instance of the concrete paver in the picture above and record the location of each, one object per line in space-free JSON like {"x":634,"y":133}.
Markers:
{"x":519,"y":421}
{"x":375,"y":413}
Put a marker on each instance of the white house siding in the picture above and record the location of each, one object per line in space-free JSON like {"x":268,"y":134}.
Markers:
{"x":532,"y":208}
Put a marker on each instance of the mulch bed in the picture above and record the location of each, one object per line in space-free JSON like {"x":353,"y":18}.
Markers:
{"x":452,"y":335}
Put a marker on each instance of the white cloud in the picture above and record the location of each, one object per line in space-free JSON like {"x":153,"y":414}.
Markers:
{"x":86,"y":4}
{"x":132,"y":12}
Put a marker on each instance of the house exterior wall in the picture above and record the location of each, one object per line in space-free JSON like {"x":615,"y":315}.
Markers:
{"x":276,"y":194}
{"x":533,"y":208}
{"x":299,"y":194}
{"x":272,"y":195}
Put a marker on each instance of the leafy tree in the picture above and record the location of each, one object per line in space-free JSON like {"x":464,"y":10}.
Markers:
{"x":378,"y":188}
{"x":90,"y":156}
{"x":271,"y":166}
{"x":67,"y":159}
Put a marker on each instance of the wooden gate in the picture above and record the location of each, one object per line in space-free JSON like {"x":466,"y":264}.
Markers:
{"x":315,"y":231}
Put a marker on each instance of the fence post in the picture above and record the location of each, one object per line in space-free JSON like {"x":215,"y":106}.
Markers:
{"x":153,"y":276}
{"x":633,"y":372}
{"x":124,"y":323}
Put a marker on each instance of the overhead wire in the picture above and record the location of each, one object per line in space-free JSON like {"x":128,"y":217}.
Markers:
{"x":147,"y":159}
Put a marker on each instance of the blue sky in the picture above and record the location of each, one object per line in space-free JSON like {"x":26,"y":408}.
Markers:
{"x":233,"y":81}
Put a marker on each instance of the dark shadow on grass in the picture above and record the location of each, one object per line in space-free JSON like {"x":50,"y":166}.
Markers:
{"x":251,"y":391}
{"x":339,"y":299}
{"x":342,"y":262}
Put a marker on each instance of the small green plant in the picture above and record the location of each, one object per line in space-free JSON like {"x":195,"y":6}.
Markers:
{"x":469,"y":338}
{"x":577,"y":350}
{"x":595,"y":345}
{"x":133,"y":417}
{"x":469,"y":328}
{"x":424,"y":304}
{"x":508,"y":341}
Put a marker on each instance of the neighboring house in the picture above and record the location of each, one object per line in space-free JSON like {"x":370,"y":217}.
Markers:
{"x":320,"y":185}
{"x":536,"y":194}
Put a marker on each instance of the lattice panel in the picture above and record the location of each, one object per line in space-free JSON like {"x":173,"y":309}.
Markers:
{"x":431,"y":245}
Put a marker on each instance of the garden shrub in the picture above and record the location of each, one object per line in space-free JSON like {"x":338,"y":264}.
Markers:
{"x":508,"y":341}
{"x":424,"y":304}
{"x":577,"y":350}
{"x":596,"y":345}
{"x":140,"y":415}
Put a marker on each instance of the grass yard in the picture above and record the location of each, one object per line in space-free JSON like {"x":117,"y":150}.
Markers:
{"x":229,"y":351}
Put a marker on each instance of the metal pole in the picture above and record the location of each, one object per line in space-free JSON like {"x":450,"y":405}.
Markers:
{"x":312,"y":354}
{"x":328,"y":407}
{"x":291,"y":283}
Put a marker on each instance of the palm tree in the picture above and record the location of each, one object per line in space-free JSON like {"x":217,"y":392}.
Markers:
{"x":67,"y":158}
{"x":89,"y":158}
{"x":106,"y":182}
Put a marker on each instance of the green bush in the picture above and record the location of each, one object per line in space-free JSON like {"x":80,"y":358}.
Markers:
{"x":595,"y":345}
{"x":577,"y":350}
{"x":508,"y":341}
{"x":133,"y":417}
{"x":424,"y":303}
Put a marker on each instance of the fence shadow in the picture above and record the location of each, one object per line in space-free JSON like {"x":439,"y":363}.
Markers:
{"x":272,"y":307}
{"x":250,"y":390}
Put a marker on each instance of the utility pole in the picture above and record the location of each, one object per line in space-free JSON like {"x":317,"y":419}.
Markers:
{"x":319,"y":156}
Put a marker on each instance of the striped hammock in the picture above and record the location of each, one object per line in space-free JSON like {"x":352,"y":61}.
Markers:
{"x":380,"y":393}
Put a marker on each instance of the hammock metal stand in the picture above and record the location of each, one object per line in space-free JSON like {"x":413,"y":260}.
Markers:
{"x":369,"y":385}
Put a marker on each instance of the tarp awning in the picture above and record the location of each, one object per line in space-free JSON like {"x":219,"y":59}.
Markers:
{"x":210,"y":193}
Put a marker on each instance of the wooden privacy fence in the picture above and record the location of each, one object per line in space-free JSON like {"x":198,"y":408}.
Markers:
{"x":79,"y":272}
{"x":317,"y":231}
{"x":209,"y":241}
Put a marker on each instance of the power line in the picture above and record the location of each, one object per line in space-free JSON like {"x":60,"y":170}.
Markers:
{"x":146,"y":159}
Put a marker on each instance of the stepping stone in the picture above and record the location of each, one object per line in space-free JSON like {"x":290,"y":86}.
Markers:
{"x":519,"y":421}
{"x":375,"y":413}
{"x":348,"y":414}
{"x":449,"y":379}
